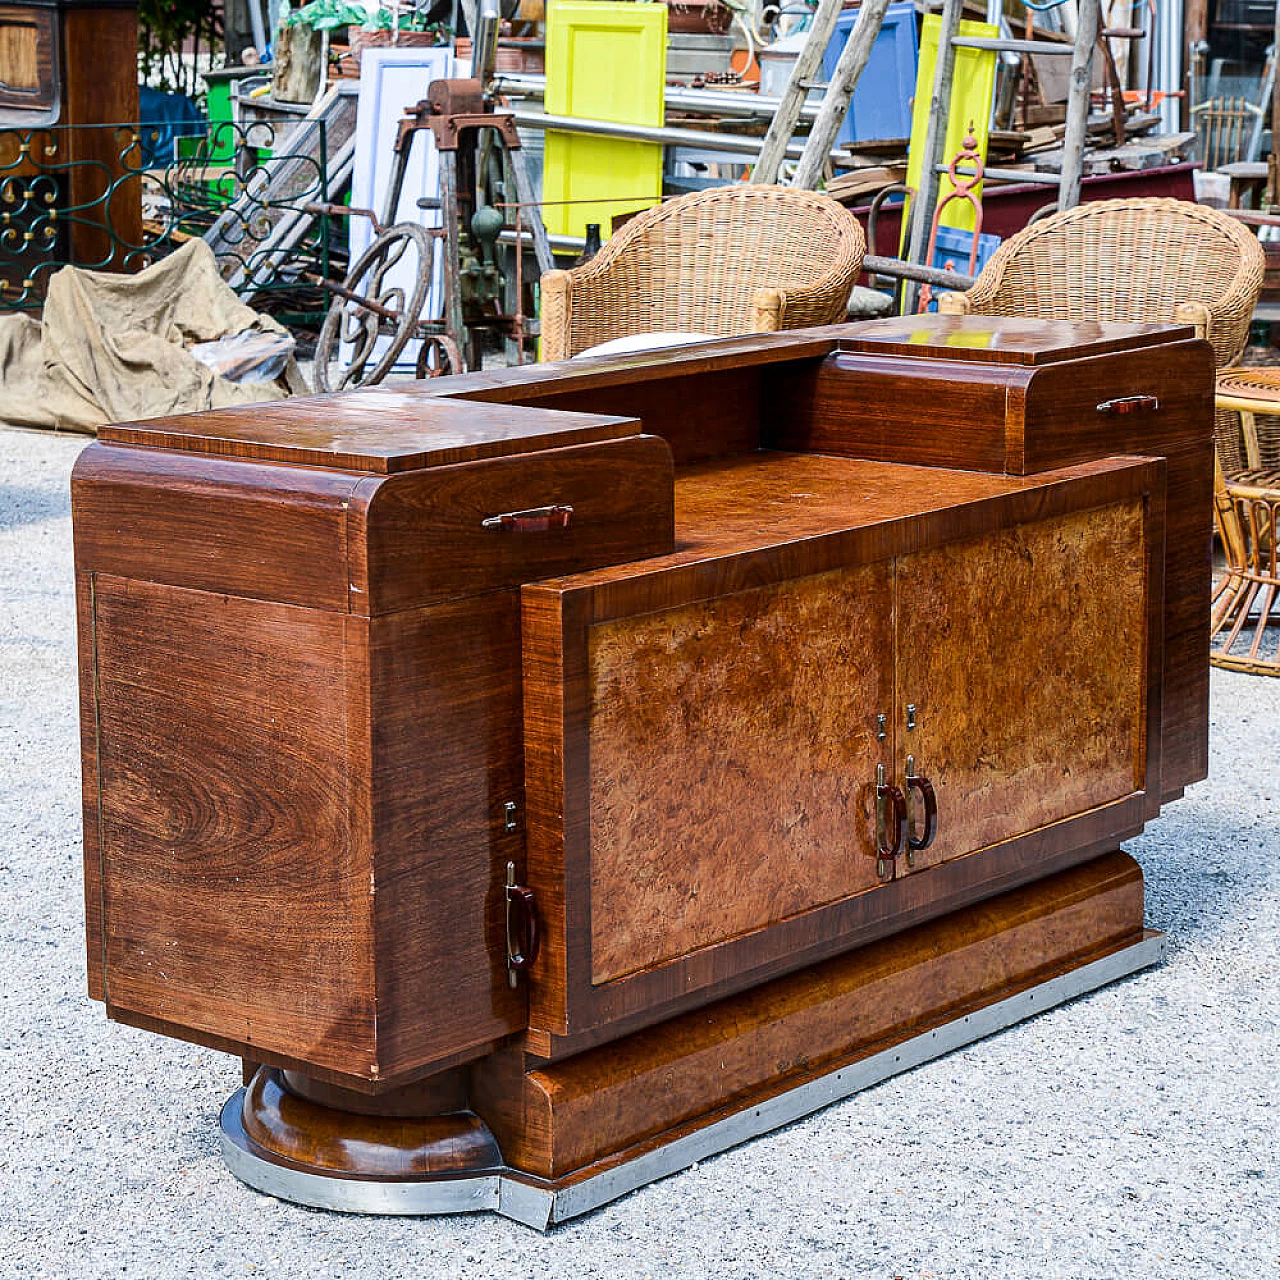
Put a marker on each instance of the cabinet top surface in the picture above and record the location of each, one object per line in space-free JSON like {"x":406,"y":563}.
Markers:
{"x":1004,"y":339}
{"x":379,"y":430}
{"x":755,"y":501}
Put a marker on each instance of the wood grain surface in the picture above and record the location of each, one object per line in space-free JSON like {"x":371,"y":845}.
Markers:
{"x":247,"y":529}
{"x":227,"y":784}
{"x":419,"y":538}
{"x":1024,"y":654}
{"x":567,"y":1010}
{"x":733,"y":762}
{"x":381,"y":430}
{"x":1004,"y":339}
{"x":552,"y":1119}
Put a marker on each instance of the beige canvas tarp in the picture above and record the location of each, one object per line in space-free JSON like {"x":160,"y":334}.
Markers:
{"x":114,"y":348}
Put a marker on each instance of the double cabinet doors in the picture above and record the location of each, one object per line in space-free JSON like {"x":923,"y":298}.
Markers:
{"x":715,"y":751}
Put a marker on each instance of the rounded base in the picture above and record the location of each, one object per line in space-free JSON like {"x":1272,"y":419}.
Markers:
{"x":287,"y":1145}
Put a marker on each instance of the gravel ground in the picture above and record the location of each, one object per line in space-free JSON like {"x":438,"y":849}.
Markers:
{"x":1132,"y":1132}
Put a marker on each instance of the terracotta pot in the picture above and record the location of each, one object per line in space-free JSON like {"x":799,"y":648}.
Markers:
{"x":361,"y":40}
{"x":514,"y":54}
{"x":705,"y":17}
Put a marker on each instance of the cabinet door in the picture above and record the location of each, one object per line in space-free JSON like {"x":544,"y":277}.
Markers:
{"x":1022,"y":663}
{"x":700,"y":763}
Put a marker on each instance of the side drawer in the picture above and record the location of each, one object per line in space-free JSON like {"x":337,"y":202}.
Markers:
{"x":426,"y":536}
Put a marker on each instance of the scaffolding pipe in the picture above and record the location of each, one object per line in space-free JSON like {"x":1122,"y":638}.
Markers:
{"x":709,"y":102}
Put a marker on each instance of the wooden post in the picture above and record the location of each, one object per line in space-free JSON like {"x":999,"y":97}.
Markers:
{"x":785,"y":119}
{"x":1273,"y":178}
{"x":1078,"y":105}
{"x":835,"y":103}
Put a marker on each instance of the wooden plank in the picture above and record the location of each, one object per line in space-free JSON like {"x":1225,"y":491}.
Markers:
{"x":380,"y":431}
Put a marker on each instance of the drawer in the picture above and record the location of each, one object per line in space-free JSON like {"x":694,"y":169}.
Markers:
{"x":447,"y":532}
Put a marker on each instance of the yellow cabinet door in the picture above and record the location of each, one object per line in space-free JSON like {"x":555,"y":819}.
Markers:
{"x":605,"y":61}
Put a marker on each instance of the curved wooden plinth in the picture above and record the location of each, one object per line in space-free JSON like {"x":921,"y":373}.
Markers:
{"x":294,"y":1140}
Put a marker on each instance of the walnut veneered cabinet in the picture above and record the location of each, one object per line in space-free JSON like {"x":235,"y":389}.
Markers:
{"x":542,"y":778}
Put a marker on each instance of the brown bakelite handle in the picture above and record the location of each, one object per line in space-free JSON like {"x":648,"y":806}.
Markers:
{"x":522,"y":927}
{"x":1130,"y":404}
{"x":534,"y":520}
{"x":930,"y":797}
{"x":884,"y":791}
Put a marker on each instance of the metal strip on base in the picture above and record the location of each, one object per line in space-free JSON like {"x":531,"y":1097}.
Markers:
{"x":540,"y":1205}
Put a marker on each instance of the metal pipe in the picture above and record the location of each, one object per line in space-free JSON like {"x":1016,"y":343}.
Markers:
{"x":711,"y":102}
{"x":875,"y":265}
{"x":1033,"y":176}
{"x":485,"y":49}
{"x":737,"y":143}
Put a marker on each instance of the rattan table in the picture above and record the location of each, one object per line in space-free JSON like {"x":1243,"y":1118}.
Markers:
{"x":1245,"y":630}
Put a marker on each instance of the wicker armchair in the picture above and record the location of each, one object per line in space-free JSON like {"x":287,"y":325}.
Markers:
{"x":740,"y":259}
{"x":1133,"y":260}
{"x":1160,"y":260}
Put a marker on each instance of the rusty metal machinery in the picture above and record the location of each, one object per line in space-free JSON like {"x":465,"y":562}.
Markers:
{"x":479,"y":294}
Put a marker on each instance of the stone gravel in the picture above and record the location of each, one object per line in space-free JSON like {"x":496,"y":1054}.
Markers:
{"x":1133,"y":1132}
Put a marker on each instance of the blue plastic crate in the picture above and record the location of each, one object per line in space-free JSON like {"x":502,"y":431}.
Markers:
{"x":881,"y":106}
{"x":951,"y":253}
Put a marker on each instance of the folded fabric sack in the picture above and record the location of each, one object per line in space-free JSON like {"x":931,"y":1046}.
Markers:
{"x":117,"y":348}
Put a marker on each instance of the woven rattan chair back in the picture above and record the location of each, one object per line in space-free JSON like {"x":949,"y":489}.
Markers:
{"x":1224,"y":129}
{"x":739,"y":259}
{"x":1152,"y":260}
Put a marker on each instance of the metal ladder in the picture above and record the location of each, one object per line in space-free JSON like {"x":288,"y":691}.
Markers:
{"x":925,"y":200}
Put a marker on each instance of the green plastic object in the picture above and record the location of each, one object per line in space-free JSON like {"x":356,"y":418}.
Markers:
{"x":605,"y":61}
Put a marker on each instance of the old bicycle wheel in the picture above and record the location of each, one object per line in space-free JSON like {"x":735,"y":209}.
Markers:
{"x":376,"y":309}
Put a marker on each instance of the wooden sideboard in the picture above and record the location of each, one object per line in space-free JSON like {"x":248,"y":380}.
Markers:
{"x":543,"y":778}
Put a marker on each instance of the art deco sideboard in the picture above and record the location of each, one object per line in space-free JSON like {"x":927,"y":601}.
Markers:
{"x":545,"y":778}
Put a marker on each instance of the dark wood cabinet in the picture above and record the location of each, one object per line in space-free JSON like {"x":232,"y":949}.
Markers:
{"x":539,"y":753}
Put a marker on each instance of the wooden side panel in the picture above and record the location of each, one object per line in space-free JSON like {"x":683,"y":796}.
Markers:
{"x":934,"y":413}
{"x":87,"y":662}
{"x":732,"y":763}
{"x":426,"y":542}
{"x":1059,"y":424}
{"x":236,"y":877}
{"x":1025,"y":657}
{"x":244,"y":528}
{"x":447,"y":756}
{"x":709,"y":414}
{"x":556,"y":1118}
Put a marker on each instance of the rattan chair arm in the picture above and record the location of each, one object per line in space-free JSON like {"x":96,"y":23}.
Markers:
{"x":557,"y":314}
{"x":954,"y":304}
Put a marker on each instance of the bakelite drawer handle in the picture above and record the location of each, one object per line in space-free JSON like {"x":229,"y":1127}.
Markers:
{"x":523,"y":935}
{"x":534,"y":520}
{"x":889,"y":797}
{"x":1130,"y":404}
{"x":917,"y":782}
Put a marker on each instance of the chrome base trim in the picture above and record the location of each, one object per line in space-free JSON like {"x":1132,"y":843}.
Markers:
{"x":540,"y":1205}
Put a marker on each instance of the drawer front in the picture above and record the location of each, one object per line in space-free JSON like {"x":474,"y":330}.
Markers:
{"x":1117,"y":404}
{"x":448,"y":532}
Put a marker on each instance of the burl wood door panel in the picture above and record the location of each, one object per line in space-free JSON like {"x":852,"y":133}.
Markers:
{"x":732,"y":763}
{"x":700,"y":758}
{"x":235,"y":893}
{"x":1024,"y":655}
